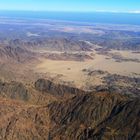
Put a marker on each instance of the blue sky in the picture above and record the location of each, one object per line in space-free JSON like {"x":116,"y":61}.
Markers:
{"x":72,"y":5}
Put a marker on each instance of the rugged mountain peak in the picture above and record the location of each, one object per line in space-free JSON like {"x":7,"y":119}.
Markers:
{"x":48,"y":86}
{"x":96,"y":116}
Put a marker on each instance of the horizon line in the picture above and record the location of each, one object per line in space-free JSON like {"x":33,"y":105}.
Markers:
{"x":95,"y":11}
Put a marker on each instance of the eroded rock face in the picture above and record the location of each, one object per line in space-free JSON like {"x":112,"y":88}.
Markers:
{"x":14,"y":90}
{"x":18,"y":54}
{"x":96,"y":117}
{"x":47,"y":86}
{"x":68,"y":56}
{"x":22,"y":122}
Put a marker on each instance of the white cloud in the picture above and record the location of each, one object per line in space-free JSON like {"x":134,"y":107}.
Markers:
{"x":135,"y":12}
{"x":109,"y":11}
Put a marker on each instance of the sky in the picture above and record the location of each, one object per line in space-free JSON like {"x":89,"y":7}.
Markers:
{"x":128,"y":6}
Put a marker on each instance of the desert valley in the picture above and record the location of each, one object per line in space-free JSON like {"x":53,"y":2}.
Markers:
{"x":63,"y":80}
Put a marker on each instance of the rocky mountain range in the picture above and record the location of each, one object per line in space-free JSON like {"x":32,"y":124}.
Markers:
{"x":80,"y":116}
{"x":99,"y":116}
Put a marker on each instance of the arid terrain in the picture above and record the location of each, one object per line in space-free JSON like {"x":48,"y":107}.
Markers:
{"x":69,"y":81}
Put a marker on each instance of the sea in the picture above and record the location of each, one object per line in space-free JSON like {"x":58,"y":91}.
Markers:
{"x":88,"y":17}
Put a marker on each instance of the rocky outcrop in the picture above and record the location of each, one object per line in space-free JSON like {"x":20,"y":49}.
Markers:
{"x":19,"y":121}
{"x":14,"y":90}
{"x":47,"y":86}
{"x":68,"y":56}
{"x":115,"y":83}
